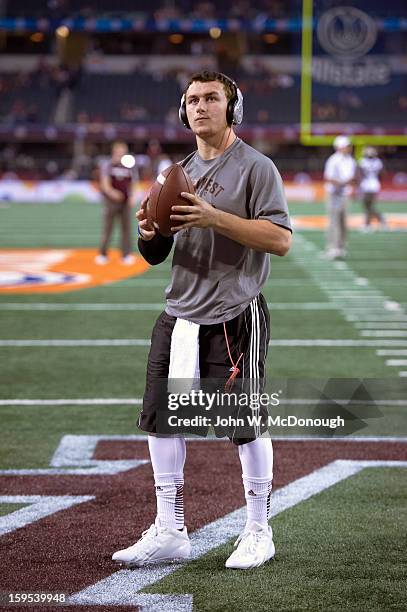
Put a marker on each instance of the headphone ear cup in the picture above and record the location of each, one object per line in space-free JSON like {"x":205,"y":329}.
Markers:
{"x":230,"y":111}
{"x":182,"y":113}
{"x":238,"y":107}
{"x":234,"y":110}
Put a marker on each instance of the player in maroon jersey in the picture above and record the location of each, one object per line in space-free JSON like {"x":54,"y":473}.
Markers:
{"x":116,"y":181}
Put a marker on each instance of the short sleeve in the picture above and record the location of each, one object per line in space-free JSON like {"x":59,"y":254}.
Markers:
{"x":267,"y":198}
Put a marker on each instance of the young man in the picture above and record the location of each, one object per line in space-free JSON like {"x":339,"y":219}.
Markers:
{"x":116,"y":182}
{"x":339,"y":174}
{"x":370,"y":168}
{"x":215,"y":315}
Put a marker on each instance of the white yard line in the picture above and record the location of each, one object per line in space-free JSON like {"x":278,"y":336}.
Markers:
{"x":85,"y":401}
{"x":381,"y":325}
{"x":75,"y":343}
{"x":137,"y":401}
{"x":362,"y":305}
{"x":368,"y":318}
{"x":380,"y":333}
{"x":117,"y":342}
{"x":396,"y":362}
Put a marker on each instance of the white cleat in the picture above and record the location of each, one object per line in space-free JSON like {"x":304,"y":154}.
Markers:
{"x":156,"y":544}
{"x":254,"y":548}
{"x":101,"y":260}
{"x":129,"y":260}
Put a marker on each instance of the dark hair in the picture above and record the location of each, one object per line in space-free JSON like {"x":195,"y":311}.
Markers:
{"x":206,"y":76}
{"x":119,"y":142}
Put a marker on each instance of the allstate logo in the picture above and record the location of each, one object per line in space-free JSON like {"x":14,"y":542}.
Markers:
{"x":346,"y":32}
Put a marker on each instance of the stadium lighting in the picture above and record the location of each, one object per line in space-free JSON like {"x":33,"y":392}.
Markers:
{"x":62,"y":31}
{"x":270,"y":38}
{"x":176,"y":39}
{"x":37,"y":37}
{"x":128,"y":161}
{"x":215,"y":33}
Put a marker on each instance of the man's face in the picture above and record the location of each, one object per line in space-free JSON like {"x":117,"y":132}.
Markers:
{"x":206,"y":105}
{"x":118,"y":151}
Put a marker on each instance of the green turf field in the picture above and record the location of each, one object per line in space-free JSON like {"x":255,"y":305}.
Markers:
{"x":338,"y":570}
{"x":342,"y":320}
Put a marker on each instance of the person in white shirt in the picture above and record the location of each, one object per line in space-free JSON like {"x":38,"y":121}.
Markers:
{"x":339,"y":175}
{"x":370,"y":168}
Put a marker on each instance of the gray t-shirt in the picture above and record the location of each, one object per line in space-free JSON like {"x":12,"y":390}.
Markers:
{"x":215,"y":278}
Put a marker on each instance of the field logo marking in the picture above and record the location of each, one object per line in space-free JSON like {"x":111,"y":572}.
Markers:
{"x":73,"y":456}
{"x":39,"y":507}
{"x":122,"y":587}
{"x":58,"y":270}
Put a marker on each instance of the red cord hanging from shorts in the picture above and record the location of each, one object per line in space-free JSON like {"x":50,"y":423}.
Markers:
{"x":234,"y":369}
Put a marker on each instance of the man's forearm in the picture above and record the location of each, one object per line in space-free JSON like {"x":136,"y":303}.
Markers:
{"x":258,"y":234}
{"x":155,"y":251}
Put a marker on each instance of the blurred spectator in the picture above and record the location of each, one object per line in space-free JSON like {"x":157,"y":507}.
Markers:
{"x":117,"y":180}
{"x":370,"y":168}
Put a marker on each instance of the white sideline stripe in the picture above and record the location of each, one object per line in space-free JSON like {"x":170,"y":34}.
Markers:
{"x":403,"y":374}
{"x":392,"y":353}
{"x":39,"y":507}
{"x":396,"y":362}
{"x":122,"y":586}
{"x":137,"y":401}
{"x":146,"y":342}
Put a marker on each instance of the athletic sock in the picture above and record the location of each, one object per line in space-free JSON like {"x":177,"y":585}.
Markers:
{"x":257,"y":494}
{"x":166,"y":492}
{"x":179,"y":501}
{"x":256,"y":458}
{"x":168,"y":458}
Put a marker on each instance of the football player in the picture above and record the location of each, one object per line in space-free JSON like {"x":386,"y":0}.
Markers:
{"x":370,"y":169}
{"x":339,"y":175}
{"x":216,"y":323}
{"x":116,"y":182}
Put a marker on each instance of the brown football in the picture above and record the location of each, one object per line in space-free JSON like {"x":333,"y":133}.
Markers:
{"x":165,"y":193}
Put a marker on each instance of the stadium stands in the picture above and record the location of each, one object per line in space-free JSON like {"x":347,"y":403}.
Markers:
{"x":107,"y":97}
{"x":25,"y":99}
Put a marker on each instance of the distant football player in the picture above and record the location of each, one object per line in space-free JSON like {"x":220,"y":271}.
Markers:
{"x":117,"y":180}
{"x":370,"y":169}
{"x":339,"y":175}
{"x":216,"y":324}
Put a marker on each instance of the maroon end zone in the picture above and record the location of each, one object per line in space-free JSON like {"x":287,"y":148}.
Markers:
{"x":72,"y":549}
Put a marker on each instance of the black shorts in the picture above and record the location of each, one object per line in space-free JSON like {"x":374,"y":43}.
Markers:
{"x":248,"y":333}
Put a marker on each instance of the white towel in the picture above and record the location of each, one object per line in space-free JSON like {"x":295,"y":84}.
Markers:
{"x":184,"y":357}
